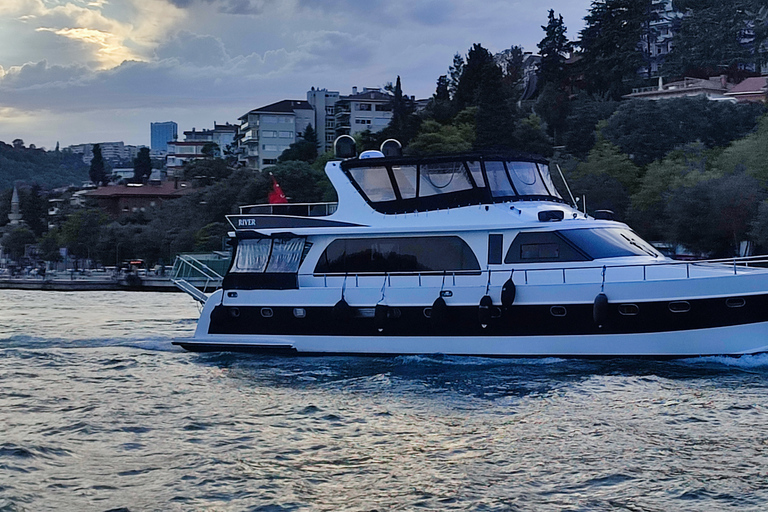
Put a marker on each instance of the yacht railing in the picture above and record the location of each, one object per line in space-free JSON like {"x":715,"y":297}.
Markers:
{"x":294,"y":209}
{"x":576,"y":274}
{"x":194,"y":277}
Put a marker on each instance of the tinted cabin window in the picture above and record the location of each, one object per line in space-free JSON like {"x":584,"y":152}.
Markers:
{"x":610,"y":242}
{"x":542,"y":247}
{"x":269,"y":255}
{"x":401,"y":254}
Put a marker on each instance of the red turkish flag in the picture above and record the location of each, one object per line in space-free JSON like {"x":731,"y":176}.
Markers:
{"x":276,"y":196}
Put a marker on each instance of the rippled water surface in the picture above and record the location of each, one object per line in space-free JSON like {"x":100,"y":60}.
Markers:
{"x":98,"y":411}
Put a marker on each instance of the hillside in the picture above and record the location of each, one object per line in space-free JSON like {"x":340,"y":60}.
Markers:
{"x":49,"y":169}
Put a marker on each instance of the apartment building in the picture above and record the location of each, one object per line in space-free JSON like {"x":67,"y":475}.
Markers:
{"x":112,"y":152}
{"x":324,"y":102}
{"x":266,"y":132}
{"x":370,"y":109}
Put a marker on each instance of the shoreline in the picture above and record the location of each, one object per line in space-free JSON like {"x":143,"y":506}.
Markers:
{"x":87,"y":283}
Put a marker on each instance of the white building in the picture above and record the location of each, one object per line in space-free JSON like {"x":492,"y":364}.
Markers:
{"x":324,"y":103}
{"x":268,"y":131}
{"x":367,"y":110}
{"x":110,"y":151}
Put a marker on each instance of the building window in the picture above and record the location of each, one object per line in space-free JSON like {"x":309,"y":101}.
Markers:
{"x":268,"y":134}
{"x":269,"y":161}
{"x":270,"y":119}
{"x":362,"y":121}
{"x":383,"y":108}
{"x":364,"y":106}
{"x":269,"y":147}
{"x":285,"y":134}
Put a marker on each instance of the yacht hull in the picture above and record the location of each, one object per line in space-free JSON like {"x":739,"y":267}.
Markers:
{"x":734,"y":340}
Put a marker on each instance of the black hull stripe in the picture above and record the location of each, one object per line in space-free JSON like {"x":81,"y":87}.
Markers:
{"x":284,"y":351}
{"x":536,"y":320}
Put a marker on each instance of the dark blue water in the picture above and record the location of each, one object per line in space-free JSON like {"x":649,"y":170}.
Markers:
{"x":98,"y":411}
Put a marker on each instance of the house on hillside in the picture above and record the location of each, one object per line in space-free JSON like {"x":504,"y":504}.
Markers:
{"x":714,"y":88}
{"x":119,"y":200}
{"x":753,"y":89}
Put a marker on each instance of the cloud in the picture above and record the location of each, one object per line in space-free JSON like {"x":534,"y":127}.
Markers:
{"x":109,"y":50}
{"x":242,"y":7}
{"x":199,"y":50}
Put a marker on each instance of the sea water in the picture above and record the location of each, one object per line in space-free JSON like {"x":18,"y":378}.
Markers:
{"x":99,"y":411}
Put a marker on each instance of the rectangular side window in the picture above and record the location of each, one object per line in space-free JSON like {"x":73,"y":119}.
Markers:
{"x":494,"y":249}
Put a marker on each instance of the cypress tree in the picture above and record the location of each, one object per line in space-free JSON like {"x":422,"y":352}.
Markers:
{"x":97,"y":173}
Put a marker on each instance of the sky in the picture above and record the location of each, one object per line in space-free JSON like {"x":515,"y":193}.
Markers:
{"x":84,"y":71}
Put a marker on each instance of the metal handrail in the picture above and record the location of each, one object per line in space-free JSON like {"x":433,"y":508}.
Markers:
{"x":184,"y":261}
{"x":303,"y":209}
{"x":740,"y":263}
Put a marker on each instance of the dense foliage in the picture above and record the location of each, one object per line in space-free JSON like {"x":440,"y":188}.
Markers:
{"x":46,"y":168}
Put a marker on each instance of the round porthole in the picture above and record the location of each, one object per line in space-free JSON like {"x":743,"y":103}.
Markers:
{"x":299,"y":312}
{"x":267,"y":312}
{"x":234,"y":312}
{"x":735,"y":302}
{"x":629,"y":309}
{"x":680,"y":306}
{"x":427,"y":312}
{"x":558,"y":311}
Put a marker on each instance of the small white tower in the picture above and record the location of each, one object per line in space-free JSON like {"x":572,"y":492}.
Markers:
{"x":15,"y":215}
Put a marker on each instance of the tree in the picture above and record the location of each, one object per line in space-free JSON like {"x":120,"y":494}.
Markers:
{"x":210,"y":149}
{"x":300,"y":181}
{"x":304,"y":149}
{"x":554,"y":50}
{"x":142,"y":166}
{"x":735,"y":198}
{"x":439,"y":107}
{"x":472,"y":72}
{"x":97,"y":172}
{"x":455,"y":72}
{"x":206,"y":171}
{"x":34,"y":208}
{"x":16,"y":241}
{"x":611,"y":54}
{"x":435,"y":138}
{"x":48,"y":247}
{"x":716,"y":36}
{"x":607,"y":178}
{"x":404,"y":123}
{"x":552,"y":106}
{"x":80,"y":232}
{"x":495,"y":119}
{"x":749,"y":154}
{"x":648,"y":130}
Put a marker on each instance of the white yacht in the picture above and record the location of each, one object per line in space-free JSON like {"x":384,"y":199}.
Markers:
{"x":472,"y":254}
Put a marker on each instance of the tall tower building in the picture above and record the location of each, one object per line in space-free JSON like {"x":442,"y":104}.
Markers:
{"x":162,"y":134}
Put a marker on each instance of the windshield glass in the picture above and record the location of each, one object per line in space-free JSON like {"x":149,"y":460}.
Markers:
{"x":497,"y":180}
{"x":609,"y":242}
{"x":442,"y":178}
